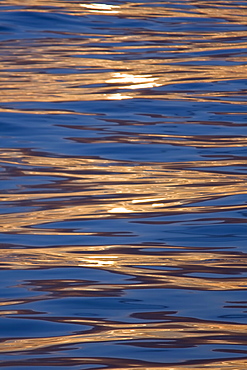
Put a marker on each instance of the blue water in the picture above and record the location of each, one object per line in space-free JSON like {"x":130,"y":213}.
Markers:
{"x":123,"y":185}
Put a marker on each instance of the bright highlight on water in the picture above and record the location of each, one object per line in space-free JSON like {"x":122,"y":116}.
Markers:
{"x":123,"y":194}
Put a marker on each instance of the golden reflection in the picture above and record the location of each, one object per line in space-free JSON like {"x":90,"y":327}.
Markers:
{"x":119,"y":210}
{"x":118,"y":96}
{"x":46,"y":74}
{"x":100,"y":85}
{"x":133,"y":81}
{"x":7,"y":303}
{"x":174,"y":189}
{"x":160,"y":270}
{"x":124,"y":332}
{"x":128,"y":191}
{"x":116,"y":64}
{"x":103,"y":8}
{"x":199,"y":9}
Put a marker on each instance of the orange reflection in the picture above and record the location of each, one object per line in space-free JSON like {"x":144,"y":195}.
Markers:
{"x":137,"y":75}
{"x":118,"y":66}
{"x":124,"y":332}
{"x":169,"y":191}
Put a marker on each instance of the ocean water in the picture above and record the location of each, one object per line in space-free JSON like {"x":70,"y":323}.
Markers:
{"x":123,"y":167}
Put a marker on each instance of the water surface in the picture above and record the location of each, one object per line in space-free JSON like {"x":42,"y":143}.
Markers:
{"x":123,"y":185}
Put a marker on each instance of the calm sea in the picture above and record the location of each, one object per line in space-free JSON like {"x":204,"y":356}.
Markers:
{"x":123,"y":129}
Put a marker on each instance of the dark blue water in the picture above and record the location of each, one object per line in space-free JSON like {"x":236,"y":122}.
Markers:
{"x":123,"y":130}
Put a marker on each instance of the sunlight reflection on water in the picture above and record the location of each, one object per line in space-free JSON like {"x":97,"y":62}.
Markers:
{"x":123,"y":168}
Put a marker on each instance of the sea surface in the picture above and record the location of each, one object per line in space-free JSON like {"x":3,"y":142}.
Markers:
{"x":123,"y":167}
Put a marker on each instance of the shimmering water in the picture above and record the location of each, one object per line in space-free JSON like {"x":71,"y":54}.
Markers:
{"x":123,"y":185}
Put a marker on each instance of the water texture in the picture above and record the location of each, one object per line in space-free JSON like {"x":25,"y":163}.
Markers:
{"x":123,"y":173}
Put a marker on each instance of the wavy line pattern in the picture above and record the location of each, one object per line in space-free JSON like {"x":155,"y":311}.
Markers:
{"x":123,"y":185}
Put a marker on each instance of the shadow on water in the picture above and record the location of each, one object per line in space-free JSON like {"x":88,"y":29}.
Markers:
{"x":123,"y":192}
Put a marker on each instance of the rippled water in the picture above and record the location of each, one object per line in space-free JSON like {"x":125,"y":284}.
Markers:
{"x":123,"y":167}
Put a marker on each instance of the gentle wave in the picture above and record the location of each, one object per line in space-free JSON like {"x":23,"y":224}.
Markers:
{"x":123,"y":192}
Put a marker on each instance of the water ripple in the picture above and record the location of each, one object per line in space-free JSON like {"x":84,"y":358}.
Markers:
{"x":123,"y":192}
